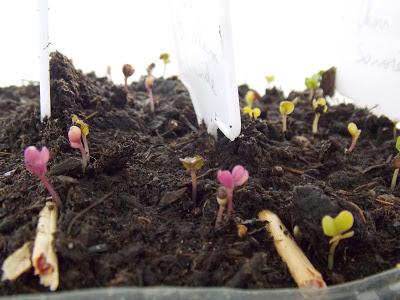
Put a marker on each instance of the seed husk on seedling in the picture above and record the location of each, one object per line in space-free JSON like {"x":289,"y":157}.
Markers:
{"x":222,"y":199}
{"x":396,"y":165}
{"x":36,"y":163}
{"x":355,"y":134}
{"x":85,"y":132}
{"x":149,"y":83}
{"x":285,"y":108}
{"x":230,"y":180}
{"x":166,"y":60}
{"x":128,"y":71}
{"x":193,"y":164}
{"x":75,"y":140}
{"x":338,"y":229}
{"x":320,"y":107}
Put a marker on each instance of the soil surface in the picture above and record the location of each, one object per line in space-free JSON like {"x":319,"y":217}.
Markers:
{"x":130,"y":221}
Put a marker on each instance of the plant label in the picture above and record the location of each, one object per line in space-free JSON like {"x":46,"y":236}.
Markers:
{"x":45,"y":104}
{"x":202,"y":33}
{"x":369,"y":68}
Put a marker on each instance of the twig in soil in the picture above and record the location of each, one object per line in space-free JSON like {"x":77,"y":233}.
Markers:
{"x":301,"y":269}
{"x":360,"y":211}
{"x":81,"y":213}
{"x":372,"y":168}
{"x":293,"y":170}
{"x":368,"y":185}
{"x":91,"y":115}
{"x":187,"y":122}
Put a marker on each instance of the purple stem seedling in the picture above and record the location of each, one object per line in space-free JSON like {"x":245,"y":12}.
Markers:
{"x":36,"y":163}
{"x":193,"y":164}
{"x":230,"y":180}
{"x":396,"y":165}
{"x":149,"y":83}
{"x":75,"y":140}
{"x":355,"y":134}
{"x":128,"y":71}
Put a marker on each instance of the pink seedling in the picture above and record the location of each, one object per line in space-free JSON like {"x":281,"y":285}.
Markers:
{"x":149,"y":83}
{"x":230,"y":180}
{"x":75,"y":140}
{"x":36,"y":163}
{"x":128,"y":71}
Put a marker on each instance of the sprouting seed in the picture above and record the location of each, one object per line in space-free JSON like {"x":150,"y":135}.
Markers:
{"x":396,"y":165}
{"x":36,"y":163}
{"x":285,"y":108}
{"x":338,"y":229}
{"x":166,"y":60}
{"x":193,"y":164}
{"x":128,"y":71}
{"x":355,"y":134}
{"x":320,"y":107}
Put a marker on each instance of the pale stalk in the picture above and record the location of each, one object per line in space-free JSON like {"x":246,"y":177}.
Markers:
{"x":126,"y":85}
{"x":301,"y":269}
{"x":284,"y":126}
{"x":229,"y":196}
{"x":86,"y":147}
{"x":151,"y":99}
{"x":165,"y":70}
{"x":353,"y":144}
{"x":194,"y":186}
{"x":331,"y":255}
{"x":315,"y":123}
{"x":394,"y":179}
{"x":219,"y":215}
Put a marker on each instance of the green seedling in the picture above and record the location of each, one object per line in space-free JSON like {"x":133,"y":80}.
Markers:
{"x":128,"y":71}
{"x":253,"y":113}
{"x":396,"y":165}
{"x":270,"y":79}
{"x":338,"y":229}
{"x":166,"y":60}
{"x":320,"y":107}
{"x":312,"y":83}
{"x":193,"y":164}
{"x":285,"y":108}
{"x":355,"y":134}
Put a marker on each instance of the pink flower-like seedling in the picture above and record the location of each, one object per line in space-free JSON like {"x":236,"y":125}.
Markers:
{"x":36,"y":163}
{"x":230,"y":180}
{"x":75,"y":140}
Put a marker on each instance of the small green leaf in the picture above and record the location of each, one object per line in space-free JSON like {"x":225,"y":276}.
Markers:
{"x":398,"y":143}
{"x":328,"y":226}
{"x":344,"y":221}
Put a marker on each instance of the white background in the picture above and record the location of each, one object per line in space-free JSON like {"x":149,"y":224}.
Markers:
{"x":286,"y":38}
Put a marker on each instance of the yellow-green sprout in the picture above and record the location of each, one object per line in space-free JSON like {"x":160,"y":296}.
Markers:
{"x":270,"y":79}
{"x":396,"y":165}
{"x":319,"y":107}
{"x":166,"y":60}
{"x":85,"y":132}
{"x":285,"y":108}
{"x":193,"y":164}
{"x":355,"y":134}
{"x":338,"y":229}
{"x":250,"y":97}
{"x":253,"y":113}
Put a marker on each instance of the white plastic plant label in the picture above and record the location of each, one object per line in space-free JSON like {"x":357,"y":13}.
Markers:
{"x":45,"y":105}
{"x":369,"y":68}
{"x":204,"y":50}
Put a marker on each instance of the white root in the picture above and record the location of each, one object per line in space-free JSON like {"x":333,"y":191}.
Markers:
{"x":17,"y":263}
{"x":44,"y":257}
{"x":301,"y":269}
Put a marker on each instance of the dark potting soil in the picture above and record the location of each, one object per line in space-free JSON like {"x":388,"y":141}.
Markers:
{"x":130,"y":220}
